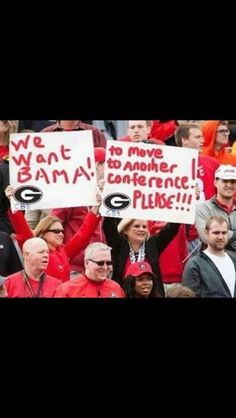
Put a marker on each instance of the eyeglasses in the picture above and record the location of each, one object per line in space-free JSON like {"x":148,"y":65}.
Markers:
{"x":56,"y":231}
{"x":223,"y":131}
{"x":101,"y":263}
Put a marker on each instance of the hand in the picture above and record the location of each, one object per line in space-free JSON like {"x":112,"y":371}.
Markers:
{"x":101,"y":184}
{"x":197,"y":192}
{"x":9,"y":192}
{"x":95,"y":208}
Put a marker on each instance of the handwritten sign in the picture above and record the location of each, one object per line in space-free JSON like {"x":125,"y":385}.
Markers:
{"x":146,"y":181}
{"x":52,"y":170}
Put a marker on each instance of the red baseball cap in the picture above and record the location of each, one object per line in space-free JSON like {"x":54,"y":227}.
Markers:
{"x":100,"y":154}
{"x":137,"y":269}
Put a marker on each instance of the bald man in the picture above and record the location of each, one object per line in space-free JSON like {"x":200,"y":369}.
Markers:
{"x":32,"y":282}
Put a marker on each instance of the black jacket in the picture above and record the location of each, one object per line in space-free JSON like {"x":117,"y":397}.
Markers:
{"x":203,"y":277}
{"x":153,"y":248}
{"x":5,"y":224}
{"x":9,"y":260}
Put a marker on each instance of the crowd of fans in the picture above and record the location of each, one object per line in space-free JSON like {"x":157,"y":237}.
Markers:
{"x":76,"y":253}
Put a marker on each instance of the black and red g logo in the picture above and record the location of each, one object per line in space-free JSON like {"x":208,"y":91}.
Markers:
{"x":28,"y":194}
{"x":117,"y":201}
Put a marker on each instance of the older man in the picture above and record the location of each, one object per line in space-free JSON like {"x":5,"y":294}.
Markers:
{"x":95,"y":282}
{"x":32,"y":282}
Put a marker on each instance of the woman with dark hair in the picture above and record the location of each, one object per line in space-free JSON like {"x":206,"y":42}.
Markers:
{"x":140,"y":282}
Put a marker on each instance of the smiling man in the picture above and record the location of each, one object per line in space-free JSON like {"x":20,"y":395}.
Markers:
{"x":95,"y":282}
{"x":223,"y":204}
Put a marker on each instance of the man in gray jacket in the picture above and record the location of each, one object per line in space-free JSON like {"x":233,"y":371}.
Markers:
{"x":212,"y":273}
{"x":223,"y":204}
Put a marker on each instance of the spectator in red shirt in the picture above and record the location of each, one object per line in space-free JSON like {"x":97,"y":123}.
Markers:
{"x":51,"y":230}
{"x":95,"y":282}
{"x":99,"y":139}
{"x":139,"y":131}
{"x":32,"y":282}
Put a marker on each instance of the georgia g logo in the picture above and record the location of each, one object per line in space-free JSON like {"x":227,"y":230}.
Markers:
{"x":28,"y":194}
{"x":117,"y":201}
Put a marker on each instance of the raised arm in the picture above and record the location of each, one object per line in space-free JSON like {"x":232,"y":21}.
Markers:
{"x":112,"y":236}
{"x":82,"y":238}
{"x":18,"y":221}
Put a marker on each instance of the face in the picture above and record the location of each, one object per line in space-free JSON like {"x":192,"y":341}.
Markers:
{"x":138,"y":130}
{"x":222,"y":136}
{"x":54,"y":235}
{"x":217,"y":236}
{"x":37,"y":256}
{"x":195,"y":140}
{"x":225,"y":188}
{"x":143,"y":285}
{"x":137,"y":231}
{"x":96,"y":272}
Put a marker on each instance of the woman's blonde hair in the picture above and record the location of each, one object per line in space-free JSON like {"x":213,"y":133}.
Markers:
{"x":44,"y":225}
{"x":10,"y":127}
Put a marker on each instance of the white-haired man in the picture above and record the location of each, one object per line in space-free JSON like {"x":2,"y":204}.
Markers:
{"x":95,"y":282}
{"x":32,"y":282}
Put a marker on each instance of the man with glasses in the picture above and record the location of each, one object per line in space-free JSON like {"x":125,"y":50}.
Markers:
{"x":223,"y":205}
{"x":216,"y":137}
{"x":95,"y":282}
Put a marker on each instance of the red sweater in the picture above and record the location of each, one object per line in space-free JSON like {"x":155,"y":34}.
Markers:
{"x":58,"y":265}
{"x":171,"y":258}
{"x":83,"y":287}
{"x":16,"y":287}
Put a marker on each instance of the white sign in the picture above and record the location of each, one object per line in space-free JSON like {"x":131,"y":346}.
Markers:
{"x":52,"y":170}
{"x":147,"y":181}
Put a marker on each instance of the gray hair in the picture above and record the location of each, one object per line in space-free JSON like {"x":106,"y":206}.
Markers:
{"x":94,"y":247}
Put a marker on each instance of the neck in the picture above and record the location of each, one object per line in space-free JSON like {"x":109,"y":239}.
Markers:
{"x":135,"y":245}
{"x":33,"y":273}
{"x":219,"y":253}
{"x":227,"y":201}
{"x":68,"y":124}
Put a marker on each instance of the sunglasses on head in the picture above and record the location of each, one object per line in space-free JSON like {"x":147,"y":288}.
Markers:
{"x":101,"y":263}
{"x":56,"y":231}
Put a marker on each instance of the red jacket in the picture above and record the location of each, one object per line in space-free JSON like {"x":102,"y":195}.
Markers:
{"x":58,"y":266}
{"x":72,"y":219}
{"x":83,"y":287}
{"x":16,"y":287}
{"x":171,"y":258}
